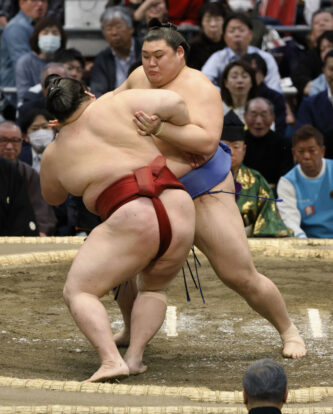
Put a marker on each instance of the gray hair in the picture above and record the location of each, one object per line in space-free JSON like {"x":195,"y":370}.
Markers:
{"x":268,"y":102}
{"x":265,"y":380}
{"x":52,"y":65}
{"x":117,"y":12}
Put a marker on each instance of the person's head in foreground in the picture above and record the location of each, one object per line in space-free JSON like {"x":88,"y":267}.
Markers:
{"x":308,"y":150}
{"x":164,"y":53}
{"x":265,"y":385}
{"x":65,"y":96}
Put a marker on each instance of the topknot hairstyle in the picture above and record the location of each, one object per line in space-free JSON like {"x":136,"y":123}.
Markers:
{"x":168,"y":32}
{"x":64,"y":96}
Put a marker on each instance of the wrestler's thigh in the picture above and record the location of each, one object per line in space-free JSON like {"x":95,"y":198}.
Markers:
{"x":220,"y":234}
{"x":180,"y":209}
{"x":116,"y":250}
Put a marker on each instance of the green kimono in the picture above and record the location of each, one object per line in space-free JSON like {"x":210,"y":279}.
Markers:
{"x":260,"y":217}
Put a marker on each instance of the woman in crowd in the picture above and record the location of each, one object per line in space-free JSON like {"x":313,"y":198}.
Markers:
{"x":47,"y":38}
{"x":210,"y":38}
{"x":238,"y":85}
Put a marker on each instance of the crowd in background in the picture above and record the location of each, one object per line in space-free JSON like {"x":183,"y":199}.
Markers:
{"x":276,"y":90}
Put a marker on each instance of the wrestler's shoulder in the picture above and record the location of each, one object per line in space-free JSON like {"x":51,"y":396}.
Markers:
{"x":137,"y":79}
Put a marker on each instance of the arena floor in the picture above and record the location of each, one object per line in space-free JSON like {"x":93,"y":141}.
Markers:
{"x":196,"y":361}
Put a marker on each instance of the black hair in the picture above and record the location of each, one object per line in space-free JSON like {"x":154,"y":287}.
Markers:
{"x":29,"y":117}
{"x":225,"y":91}
{"x":167,"y":32}
{"x":68,"y":55}
{"x":214,"y":9}
{"x":306,"y":132}
{"x":237,"y":16}
{"x":43,"y":24}
{"x":64,"y":96}
{"x":260,"y":62}
{"x":328,"y":55}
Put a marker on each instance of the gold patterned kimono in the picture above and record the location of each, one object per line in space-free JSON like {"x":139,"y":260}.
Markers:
{"x":261,"y":217}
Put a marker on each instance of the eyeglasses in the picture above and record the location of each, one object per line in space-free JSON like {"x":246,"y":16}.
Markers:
{"x":5,"y":140}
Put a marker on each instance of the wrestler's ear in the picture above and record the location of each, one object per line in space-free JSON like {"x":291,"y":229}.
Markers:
{"x":92,"y":96}
{"x":180,"y":52}
{"x":53,"y":123}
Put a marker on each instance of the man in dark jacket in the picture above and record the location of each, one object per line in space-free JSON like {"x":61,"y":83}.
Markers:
{"x":16,"y":215}
{"x":111,"y":65}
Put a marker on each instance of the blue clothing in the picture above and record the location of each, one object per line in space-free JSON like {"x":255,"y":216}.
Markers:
{"x":28,"y":72}
{"x":316,"y":110}
{"x":314,"y":201}
{"x":214,"y":171}
{"x":14,"y":44}
{"x":215,"y":65}
{"x":318,"y":85}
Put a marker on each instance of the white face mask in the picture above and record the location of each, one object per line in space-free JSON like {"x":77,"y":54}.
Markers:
{"x":41,"y":139}
{"x":49,"y":43}
{"x":240,"y":5}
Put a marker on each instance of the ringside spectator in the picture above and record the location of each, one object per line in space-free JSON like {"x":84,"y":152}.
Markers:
{"x":237,"y":32}
{"x":15,"y":37}
{"x":306,"y":190}
{"x":47,"y":38}
{"x":111,"y":65}
{"x":210,"y":39}
{"x":10,"y":149}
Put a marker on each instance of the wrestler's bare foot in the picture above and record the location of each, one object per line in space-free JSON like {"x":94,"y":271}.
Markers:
{"x":122,"y":338}
{"x":109,"y":370}
{"x":293,"y":344}
{"x":135,"y":365}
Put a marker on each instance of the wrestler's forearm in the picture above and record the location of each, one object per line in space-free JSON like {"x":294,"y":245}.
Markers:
{"x":190,"y":138}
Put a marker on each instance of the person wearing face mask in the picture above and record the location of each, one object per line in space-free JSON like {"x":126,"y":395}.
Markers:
{"x":47,"y":38}
{"x":37,"y":134}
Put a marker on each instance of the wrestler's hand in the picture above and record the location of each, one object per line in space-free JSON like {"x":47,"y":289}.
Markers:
{"x":147,"y":124}
{"x":194,"y":160}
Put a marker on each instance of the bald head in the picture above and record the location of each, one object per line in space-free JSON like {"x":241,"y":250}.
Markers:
{"x":259,"y":116}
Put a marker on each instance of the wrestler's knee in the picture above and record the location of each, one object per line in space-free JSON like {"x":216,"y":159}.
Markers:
{"x":159,"y":295}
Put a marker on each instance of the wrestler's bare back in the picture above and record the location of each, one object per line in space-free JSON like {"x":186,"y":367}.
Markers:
{"x":204,"y":104}
{"x":105,"y":143}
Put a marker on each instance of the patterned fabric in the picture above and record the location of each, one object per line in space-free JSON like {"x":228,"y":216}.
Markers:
{"x":260,"y":217}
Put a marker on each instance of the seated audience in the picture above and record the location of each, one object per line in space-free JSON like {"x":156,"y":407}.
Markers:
{"x":36,"y":95}
{"x":248,"y":7}
{"x":317,"y":110}
{"x":238,"y":86}
{"x":266,"y":151}
{"x":47,"y":38}
{"x":265,"y":387}
{"x":310,"y":64}
{"x":209,"y":39}
{"x":10,"y":149}
{"x":325,"y":44}
{"x":37,"y":134}
{"x":306,"y":190}
{"x":145,"y":11}
{"x":111,"y":65}
{"x":73,"y":61}
{"x":8,"y":9}
{"x":277,"y":98}
{"x":17,"y":217}
{"x":260,"y":216}
{"x":237,"y":34}
{"x":15,"y":38}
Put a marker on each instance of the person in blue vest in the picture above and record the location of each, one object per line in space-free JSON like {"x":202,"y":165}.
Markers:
{"x":307,"y":189}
